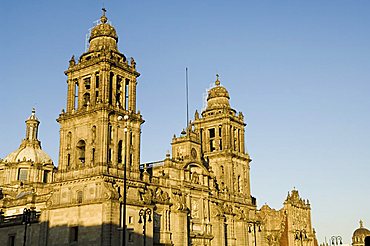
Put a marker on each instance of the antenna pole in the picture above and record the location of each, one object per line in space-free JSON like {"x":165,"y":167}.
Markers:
{"x":187,"y":98}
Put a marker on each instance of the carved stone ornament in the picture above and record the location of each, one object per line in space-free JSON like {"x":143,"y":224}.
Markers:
{"x":240,"y":214}
{"x":178,"y":200}
{"x":216,"y":210}
{"x":161,"y":196}
{"x":228,"y":209}
{"x":147,"y":196}
{"x":195,"y":178}
{"x":110,"y":192}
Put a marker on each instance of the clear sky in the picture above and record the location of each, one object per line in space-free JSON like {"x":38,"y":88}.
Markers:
{"x":298,"y":70}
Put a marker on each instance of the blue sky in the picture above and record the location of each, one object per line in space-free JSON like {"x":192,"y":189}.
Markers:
{"x":298,"y":70}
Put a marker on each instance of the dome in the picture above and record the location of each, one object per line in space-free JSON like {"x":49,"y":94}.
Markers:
{"x":362,"y":231}
{"x":360,"y":235}
{"x":33,"y":115}
{"x":28,"y":153}
{"x":30,"y":148}
{"x":103,"y":30}
{"x":218,"y":91}
{"x":103,"y":36}
{"x":218,"y":96}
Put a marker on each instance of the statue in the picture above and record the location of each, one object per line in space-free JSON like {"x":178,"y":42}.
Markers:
{"x":72,"y":62}
{"x":133,"y":63}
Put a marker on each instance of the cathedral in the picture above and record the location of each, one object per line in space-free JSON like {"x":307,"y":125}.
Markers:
{"x":101,"y":194}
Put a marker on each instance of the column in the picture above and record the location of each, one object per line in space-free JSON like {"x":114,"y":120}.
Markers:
{"x":124,"y":93}
{"x":114,"y":89}
{"x":70,"y":95}
{"x":242,"y":147}
{"x":179,"y":220}
{"x":92,"y":90}
{"x":80,"y":96}
{"x":104,"y":85}
{"x":132,"y":97}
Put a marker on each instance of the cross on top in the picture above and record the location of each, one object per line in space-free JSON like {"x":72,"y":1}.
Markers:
{"x":217,"y":80}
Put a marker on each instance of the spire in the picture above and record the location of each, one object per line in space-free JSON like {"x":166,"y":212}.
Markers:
{"x":32,"y":125}
{"x":361,"y":224}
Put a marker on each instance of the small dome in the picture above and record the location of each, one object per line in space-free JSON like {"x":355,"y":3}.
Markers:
{"x":360,"y":234}
{"x":28,"y":153}
{"x":103,"y":36}
{"x":33,"y":115}
{"x":30,"y":148}
{"x":362,"y":231}
{"x":218,"y":96}
{"x":218,"y":91}
{"x":103,"y":30}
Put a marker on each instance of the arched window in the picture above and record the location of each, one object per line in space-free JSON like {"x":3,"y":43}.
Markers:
{"x":239,"y":184}
{"x":110,"y":133}
{"x":126,"y":94}
{"x":79,"y":196}
{"x":81,"y":148}
{"x":76,"y":95}
{"x":45,"y":177}
{"x":110,"y":90}
{"x":69,"y":140}
{"x":86,"y":99}
{"x":93,"y":134}
{"x":109,"y":155}
{"x":118,"y":90}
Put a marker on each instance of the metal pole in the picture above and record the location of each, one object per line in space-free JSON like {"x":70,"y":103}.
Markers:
{"x":26,"y":219}
{"x":25,"y":234}
{"x":145,"y":214}
{"x":124,"y":193}
{"x":144,"y":227}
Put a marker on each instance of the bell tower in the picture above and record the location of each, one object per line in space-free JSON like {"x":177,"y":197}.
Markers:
{"x":100,"y":128}
{"x":221,"y":132}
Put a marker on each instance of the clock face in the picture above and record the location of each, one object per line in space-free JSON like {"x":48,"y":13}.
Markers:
{"x":193,"y":153}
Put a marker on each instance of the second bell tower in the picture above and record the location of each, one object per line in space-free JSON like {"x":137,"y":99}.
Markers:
{"x":100,"y":129}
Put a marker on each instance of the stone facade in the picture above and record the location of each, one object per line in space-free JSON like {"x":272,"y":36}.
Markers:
{"x":198,"y":195}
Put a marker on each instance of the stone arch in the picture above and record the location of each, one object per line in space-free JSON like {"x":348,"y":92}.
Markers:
{"x":81,"y":151}
{"x":86,"y":99}
{"x":194,"y":172}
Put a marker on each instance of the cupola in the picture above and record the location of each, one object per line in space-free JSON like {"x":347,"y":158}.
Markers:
{"x":218,"y":96}
{"x":30,"y":148}
{"x":103,"y":36}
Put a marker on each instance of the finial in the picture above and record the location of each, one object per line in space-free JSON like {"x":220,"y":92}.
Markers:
{"x":217,"y":80}
{"x":72,"y":62}
{"x":33,"y":110}
{"x":361,"y":224}
{"x":103,"y":19}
